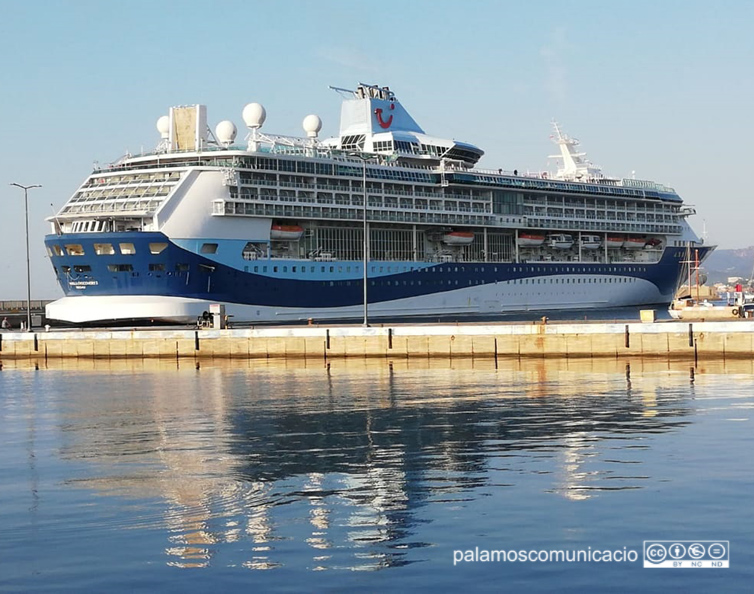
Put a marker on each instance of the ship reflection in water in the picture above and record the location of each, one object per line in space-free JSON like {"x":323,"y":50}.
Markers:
{"x":263,"y":464}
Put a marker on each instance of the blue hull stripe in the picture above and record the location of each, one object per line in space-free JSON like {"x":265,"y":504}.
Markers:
{"x":179,"y":272}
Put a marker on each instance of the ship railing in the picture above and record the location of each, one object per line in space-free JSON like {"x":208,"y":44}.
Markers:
{"x":546,"y":180}
{"x":16,"y":306}
{"x":262,"y":182}
{"x":384,"y":192}
{"x":344,"y":157}
{"x":646,"y":185}
{"x":288,"y":185}
{"x":222,"y":207}
{"x":601,"y":226}
{"x":496,"y":172}
{"x":355,"y":199}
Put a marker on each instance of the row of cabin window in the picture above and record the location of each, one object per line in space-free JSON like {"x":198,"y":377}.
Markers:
{"x":530,"y":269}
{"x":158,"y":267}
{"x":556,"y":268}
{"x":184,"y":267}
{"x":569,"y":281}
{"x":155,"y":267}
{"x":128,"y":250}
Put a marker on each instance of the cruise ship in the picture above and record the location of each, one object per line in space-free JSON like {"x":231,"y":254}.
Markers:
{"x":382,"y":221}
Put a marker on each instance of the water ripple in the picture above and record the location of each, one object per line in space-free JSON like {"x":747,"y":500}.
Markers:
{"x":357,"y":466}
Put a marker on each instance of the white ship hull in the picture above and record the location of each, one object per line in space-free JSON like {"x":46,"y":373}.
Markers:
{"x":575,"y":292}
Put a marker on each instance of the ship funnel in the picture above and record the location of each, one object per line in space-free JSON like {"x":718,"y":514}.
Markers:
{"x":188,"y":128}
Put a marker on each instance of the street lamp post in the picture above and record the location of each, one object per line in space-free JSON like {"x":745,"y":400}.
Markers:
{"x":28,"y":265}
{"x":365,"y":246}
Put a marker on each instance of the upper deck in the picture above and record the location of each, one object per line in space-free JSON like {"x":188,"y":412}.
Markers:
{"x":334,"y":162}
{"x":410,"y":178}
{"x":328,"y":184}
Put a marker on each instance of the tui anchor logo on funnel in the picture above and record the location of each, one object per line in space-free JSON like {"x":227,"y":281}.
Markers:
{"x":384,"y":124}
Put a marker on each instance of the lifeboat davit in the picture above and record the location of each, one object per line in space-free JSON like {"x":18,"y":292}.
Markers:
{"x":560,"y":241}
{"x":530,"y":239}
{"x":458,"y":238}
{"x":590,"y":242}
{"x":286,"y":232}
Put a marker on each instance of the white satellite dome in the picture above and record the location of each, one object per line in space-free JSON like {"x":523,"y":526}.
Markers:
{"x":254,"y":115}
{"x":163,"y":126}
{"x":312,"y":125}
{"x":225,"y":132}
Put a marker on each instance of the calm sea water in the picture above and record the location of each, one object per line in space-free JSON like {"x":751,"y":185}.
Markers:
{"x":294,"y":477}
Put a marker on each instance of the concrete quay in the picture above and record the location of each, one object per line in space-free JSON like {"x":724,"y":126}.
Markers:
{"x":667,"y":339}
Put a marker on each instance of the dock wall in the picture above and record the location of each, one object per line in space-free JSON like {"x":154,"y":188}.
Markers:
{"x":683,"y":340}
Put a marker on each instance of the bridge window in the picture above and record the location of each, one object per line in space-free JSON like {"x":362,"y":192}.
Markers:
{"x":74,"y":249}
{"x":104,"y":249}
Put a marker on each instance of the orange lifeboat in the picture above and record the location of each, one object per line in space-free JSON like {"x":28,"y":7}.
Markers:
{"x":634,"y":243}
{"x":286,"y":232}
{"x":458,"y":238}
{"x":530,"y":239}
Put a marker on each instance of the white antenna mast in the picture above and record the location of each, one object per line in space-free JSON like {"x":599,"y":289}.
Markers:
{"x":575,"y":164}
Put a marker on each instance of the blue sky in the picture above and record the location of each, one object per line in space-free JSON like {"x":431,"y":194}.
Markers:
{"x":664,"y":89}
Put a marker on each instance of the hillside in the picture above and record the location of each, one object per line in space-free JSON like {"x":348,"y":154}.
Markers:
{"x":724,"y":263}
